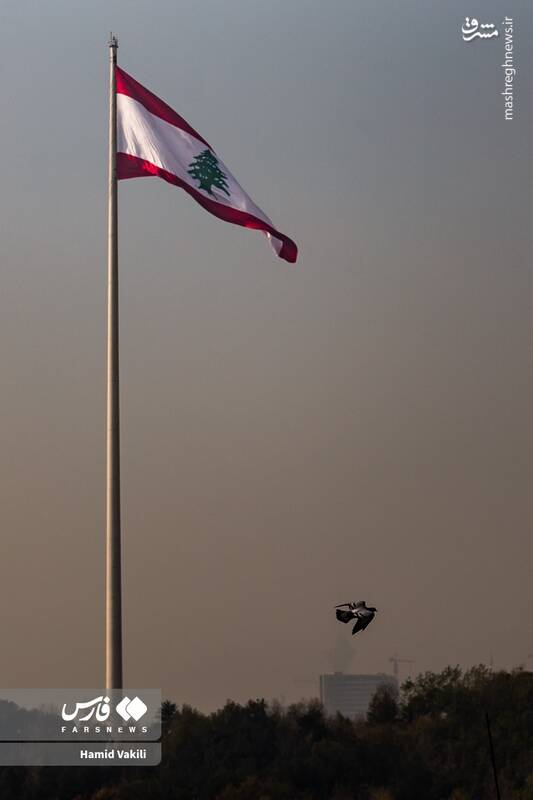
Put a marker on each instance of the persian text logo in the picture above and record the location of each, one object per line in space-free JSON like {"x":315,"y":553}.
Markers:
{"x":100,"y":708}
{"x":472,"y":29}
{"x":100,"y":705}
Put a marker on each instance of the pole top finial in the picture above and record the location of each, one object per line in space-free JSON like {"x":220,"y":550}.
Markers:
{"x":113,"y":40}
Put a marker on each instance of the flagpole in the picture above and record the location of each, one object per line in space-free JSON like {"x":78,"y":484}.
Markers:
{"x":113,"y":645}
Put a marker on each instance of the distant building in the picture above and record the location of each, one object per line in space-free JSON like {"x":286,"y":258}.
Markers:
{"x":351,"y":694}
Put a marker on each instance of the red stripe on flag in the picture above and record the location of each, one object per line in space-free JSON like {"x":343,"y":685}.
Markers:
{"x":132,"y":88}
{"x":132,"y":167}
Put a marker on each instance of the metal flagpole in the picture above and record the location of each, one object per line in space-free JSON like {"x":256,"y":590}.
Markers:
{"x":113,"y":645}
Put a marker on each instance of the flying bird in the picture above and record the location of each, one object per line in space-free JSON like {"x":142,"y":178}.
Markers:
{"x":359,"y":611}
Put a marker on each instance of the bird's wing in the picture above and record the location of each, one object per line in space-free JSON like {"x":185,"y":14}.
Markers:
{"x":353,"y":604}
{"x":364,"y":613}
{"x":360,"y":625}
{"x":344,"y":616}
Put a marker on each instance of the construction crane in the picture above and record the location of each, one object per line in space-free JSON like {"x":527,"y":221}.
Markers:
{"x":396,"y":660}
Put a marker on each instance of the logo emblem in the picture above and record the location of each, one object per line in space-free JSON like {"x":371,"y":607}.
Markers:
{"x":204,"y":168}
{"x":126,"y":708}
{"x":129,"y":709}
{"x":472,"y":29}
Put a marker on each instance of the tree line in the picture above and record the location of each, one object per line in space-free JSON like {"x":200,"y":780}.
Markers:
{"x":428,"y":744}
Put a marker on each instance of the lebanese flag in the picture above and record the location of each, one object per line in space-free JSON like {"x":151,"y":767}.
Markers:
{"x":153,"y":140}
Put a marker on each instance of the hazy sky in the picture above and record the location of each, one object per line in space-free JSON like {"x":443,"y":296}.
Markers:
{"x":359,"y":425}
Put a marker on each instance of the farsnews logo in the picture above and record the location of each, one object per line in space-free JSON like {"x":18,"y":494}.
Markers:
{"x":100,"y":705}
{"x":98,"y":710}
{"x":472,"y":29}
{"x":129,"y":709}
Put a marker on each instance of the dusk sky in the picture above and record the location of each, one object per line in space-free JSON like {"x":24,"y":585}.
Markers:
{"x":358,"y":425}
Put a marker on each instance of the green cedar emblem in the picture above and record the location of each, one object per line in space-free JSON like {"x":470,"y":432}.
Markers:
{"x":205,"y":169}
